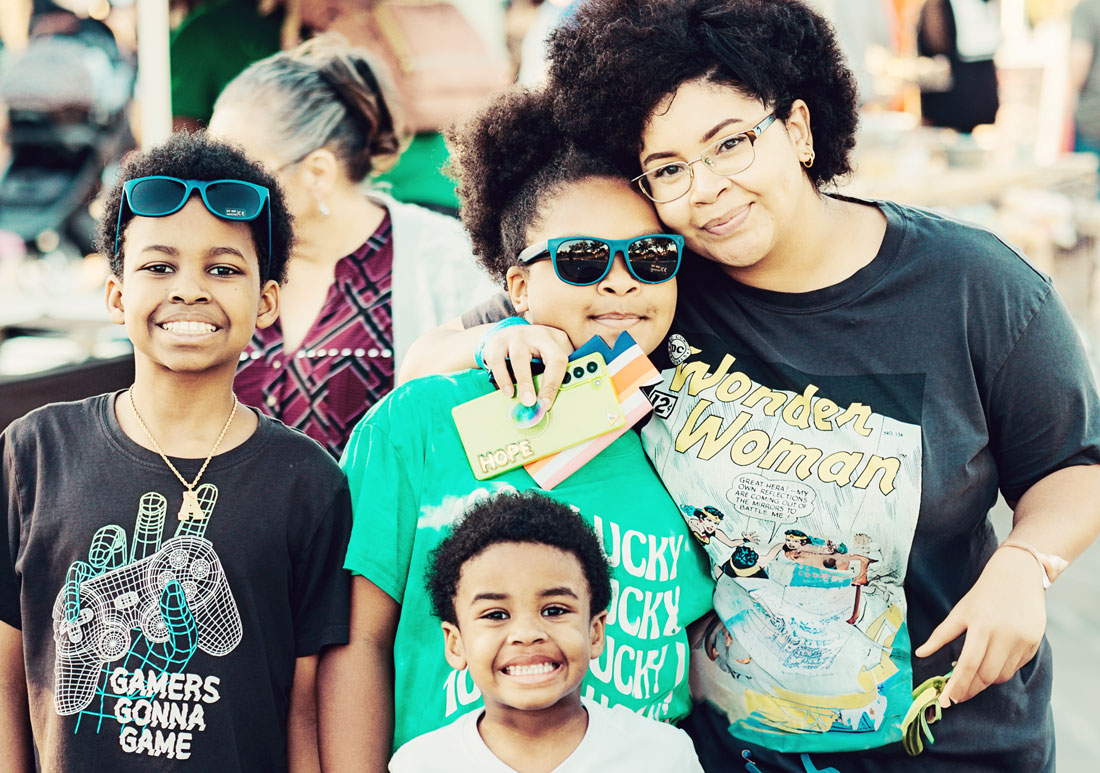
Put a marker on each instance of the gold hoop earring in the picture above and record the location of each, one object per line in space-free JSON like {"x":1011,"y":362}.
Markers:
{"x":809,"y":162}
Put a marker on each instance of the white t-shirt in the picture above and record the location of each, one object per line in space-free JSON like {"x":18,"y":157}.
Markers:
{"x":616,"y":739}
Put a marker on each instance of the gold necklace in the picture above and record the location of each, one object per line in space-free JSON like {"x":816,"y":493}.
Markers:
{"x":190,"y":508}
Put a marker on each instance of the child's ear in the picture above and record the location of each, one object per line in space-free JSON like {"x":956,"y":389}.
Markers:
{"x":599,"y":623}
{"x":115,"y":311}
{"x":516,"y":281}
{"x":452,"y":647}
{"x":269,"y":304}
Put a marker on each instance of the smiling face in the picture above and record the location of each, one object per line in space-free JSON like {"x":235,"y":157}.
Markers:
{"x":190,"y":293}
{"x":741,"y":221}
{"x":524,"y":628}
{"x":609,"y":209}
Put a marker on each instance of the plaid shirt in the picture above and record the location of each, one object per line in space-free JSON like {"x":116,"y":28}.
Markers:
{"x":344,"y":365}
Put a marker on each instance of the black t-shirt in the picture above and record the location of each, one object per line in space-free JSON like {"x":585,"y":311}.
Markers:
{"x":885,"y":409}
{"x":888,"y":408}
{"x":153,"y":643}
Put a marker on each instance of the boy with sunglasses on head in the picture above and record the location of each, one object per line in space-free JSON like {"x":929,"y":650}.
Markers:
{"x":169,"y":559}
{"x":578,"y":248}
{"x":522,"y":589}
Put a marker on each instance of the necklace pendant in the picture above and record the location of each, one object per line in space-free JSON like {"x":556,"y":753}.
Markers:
{"x":190,"y":510}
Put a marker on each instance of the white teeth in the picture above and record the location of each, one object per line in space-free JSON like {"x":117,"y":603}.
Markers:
{"x":541,"y":668}
{"x":189,"y":328}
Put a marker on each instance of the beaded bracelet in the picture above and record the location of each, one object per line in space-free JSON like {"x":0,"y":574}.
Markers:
{"x":506,"y":322}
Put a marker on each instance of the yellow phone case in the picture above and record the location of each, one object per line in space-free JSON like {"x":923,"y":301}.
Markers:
{"x":493,"y":427}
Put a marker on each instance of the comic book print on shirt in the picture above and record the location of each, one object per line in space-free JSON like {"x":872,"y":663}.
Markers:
{"x":804,"y":492}
{"x":128,"y":621}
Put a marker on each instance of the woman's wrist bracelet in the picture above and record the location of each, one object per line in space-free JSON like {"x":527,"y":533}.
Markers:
{"x":1050,"y":564}
{"x":506,"y":322}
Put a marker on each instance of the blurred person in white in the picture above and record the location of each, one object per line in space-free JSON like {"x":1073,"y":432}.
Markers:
{"x":548,"y":15}
{"x":861,"y":26}
{"x":1084,"y":58}
{"x":368,"y":274}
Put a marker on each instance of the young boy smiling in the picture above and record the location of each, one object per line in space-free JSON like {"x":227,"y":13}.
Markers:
{"x":170,"y":560}
{"x":522,"y":588}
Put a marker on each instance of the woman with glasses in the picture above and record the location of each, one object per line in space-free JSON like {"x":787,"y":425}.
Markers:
{"x":579,"y":249}
{"x":867,"y":373}
{"x":368,"y":274}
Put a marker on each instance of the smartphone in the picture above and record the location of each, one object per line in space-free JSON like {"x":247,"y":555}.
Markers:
{"x":500,"y":433}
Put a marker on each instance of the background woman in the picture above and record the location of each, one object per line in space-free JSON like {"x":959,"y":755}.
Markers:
{"x":368,"y":274}
{"x":863,"y":371}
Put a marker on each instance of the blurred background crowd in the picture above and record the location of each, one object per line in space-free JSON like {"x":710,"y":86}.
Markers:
{"x":975,"y":106}
{"x":986,"y":109}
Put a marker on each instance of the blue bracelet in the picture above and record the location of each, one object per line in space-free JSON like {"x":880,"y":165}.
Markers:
{"x":506,"y":322}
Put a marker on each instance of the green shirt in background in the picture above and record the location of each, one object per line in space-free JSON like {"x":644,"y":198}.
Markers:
{"x":418,"y":176}
{"x":212,"y":46}
{"x":410,"y":482}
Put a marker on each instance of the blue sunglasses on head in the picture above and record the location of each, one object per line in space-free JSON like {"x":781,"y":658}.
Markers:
{"x":158,"y":196}
{"x":586,"y":260}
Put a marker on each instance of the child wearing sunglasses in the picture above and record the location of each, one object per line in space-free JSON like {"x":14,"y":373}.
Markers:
{"x":169,"y":559}
{"x":578,"y":249}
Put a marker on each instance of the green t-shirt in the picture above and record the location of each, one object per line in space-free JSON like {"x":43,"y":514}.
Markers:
{"x":212,"y":46}
{"x":410,"y":481}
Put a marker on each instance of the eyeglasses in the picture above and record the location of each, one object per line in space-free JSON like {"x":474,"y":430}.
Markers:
{"x":726,"y":157}
{"x":586,"y":260}
{"x":158,"y":196}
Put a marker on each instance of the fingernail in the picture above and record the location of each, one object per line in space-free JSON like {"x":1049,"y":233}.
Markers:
{"x":528,"y":397}
{"x":545,"y":403}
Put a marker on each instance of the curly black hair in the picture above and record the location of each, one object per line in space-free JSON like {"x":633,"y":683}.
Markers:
{"x":614,"y":62}
{"x":198,"y":156}
{"x":528,"y":517}
{"x":508,"y":161}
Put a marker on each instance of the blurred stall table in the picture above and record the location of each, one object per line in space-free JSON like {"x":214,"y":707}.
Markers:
{"x":1045,"y":209}
{"x":56,"y":342}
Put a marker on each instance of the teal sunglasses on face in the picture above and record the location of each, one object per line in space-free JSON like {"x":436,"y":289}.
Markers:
{"x":586,"y":260}
{"x":158,"y":196}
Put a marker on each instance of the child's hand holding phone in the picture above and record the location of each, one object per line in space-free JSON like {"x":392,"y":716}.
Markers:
{"x":517,"y":346}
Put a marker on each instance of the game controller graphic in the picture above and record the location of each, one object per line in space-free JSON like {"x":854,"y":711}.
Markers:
{"x":94,"y":626}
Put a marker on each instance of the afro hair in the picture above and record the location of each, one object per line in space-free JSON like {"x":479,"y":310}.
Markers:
{"x":614,"y":62}
{"x":526,"y":517}
{"x":200,"y":157}
{"x":508,"y":161}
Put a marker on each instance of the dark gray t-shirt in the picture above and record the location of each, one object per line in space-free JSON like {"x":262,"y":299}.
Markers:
{"x":860,"y":433}
{"x":153,"y":643}
{"x":879,"y":416}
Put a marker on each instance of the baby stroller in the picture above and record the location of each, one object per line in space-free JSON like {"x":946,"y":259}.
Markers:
{"x":66,"y":96}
